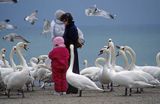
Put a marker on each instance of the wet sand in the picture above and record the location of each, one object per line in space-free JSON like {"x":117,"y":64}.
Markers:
{"x":40,"y":96}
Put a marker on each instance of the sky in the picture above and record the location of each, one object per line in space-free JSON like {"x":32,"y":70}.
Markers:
{"x":126,"y":11}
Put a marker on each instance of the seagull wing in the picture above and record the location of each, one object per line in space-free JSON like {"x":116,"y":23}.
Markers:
{"x":19,"y":37}
{"x":8,"y":1}
{"x":46,"y":26}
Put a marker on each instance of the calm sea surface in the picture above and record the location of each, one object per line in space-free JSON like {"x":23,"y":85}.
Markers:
{"x":145,"y":41}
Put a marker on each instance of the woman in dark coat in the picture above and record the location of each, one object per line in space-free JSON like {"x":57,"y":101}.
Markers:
{"x":71,"y":37}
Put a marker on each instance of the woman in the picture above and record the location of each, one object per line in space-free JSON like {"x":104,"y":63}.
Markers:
{"x":71,"y":37}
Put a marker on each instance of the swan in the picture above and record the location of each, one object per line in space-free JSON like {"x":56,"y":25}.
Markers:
{"x":129,"y":79}
{"x":85,"y":62}
{"x":103,"y":76}
{"x":150,"y":79}
{"x":79,"y":81}
{"x":7,"y":70}
{"x":113,"y":56}
{"x":19,"y":47}
{"x":3,"y":62}
{"x":158,"y":59}
{"x":92,"y":72}
{"x":153,"y":70}
{"x":17,"y":79}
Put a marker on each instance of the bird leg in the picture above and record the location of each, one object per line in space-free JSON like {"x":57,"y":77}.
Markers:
{"x":125,"y":92}
{"x":111,"y":86}
{"x":22,"y":93}
{"x":80,"y":93}
{"x":130,"y":91}
{"x":9,"y":90}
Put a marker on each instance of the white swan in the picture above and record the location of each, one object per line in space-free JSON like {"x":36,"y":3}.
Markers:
{"x":3,"y":62}
{"x":128,"y":79}
{"x":92,"y":72}
{"x":79,"y":81}
{"x":113,"y":56}
{"x":17,"y":79}
{"x":158,"y":59}
{"x":103,"y":76}
{"x":153,"y":70}
{"x":19,"y":47}
{"x":150,"y":79}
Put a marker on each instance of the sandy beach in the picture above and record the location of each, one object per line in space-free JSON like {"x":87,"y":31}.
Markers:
{"x":46,"y":96}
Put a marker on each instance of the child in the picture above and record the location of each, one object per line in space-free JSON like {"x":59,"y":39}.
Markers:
{"x":59,"y":62}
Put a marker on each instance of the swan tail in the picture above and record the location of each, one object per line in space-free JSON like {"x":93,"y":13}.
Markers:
{"x":143,"y":84}
{"x":155,"y":82}
{"x":95,"y":87}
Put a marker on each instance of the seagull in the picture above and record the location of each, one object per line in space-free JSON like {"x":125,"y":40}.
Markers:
{"x":46,"y":26}
{"x":8,"y":1}
{"x":5,"y":25}
{"x":94,"y":11}
{"x":12,"y":36}
{"x":32,"y":18}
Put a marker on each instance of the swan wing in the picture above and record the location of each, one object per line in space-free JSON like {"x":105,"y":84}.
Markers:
{"x":81,"y":82}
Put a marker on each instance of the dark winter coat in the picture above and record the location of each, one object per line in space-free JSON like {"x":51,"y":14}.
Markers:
{"x":71,"y":37}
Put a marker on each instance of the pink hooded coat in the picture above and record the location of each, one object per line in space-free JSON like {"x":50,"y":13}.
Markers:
{"x":59,"y":62}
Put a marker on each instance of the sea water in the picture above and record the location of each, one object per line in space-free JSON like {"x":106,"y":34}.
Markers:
{"x":143,"y":39}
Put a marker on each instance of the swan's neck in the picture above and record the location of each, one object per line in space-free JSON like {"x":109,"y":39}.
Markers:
{"x":132,"y":54}
{"x":13,"y":65}
{"x":98,"y":60}
{"x":126,"y":65}
{"x":158,"y":59}
{"x":22,"y":59}
{"x":71,"y":61}
{"x":33,"y":64}
{"x":113,"y":55}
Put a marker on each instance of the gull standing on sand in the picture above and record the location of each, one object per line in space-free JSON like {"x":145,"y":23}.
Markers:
{"x":94,"y":11}
{"x":8,"y":1}
{"x":12,"y":36}
{"x":32,"y":18}
{"x":5,"y":25}
{"x":46,"y":26}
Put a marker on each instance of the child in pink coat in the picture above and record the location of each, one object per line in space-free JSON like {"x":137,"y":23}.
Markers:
{"x":59,"y":62}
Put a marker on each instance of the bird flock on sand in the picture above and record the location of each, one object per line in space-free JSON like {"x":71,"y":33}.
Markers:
{"x":22,"y":76}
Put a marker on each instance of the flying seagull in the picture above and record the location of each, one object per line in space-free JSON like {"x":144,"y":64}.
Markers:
{"x":94,"y":11}
{"x":6,"y":25}
{"x":12,"y":36}
{"x":32,"y":18}
{"x":46,"y":26}
{"x":8,"y":1}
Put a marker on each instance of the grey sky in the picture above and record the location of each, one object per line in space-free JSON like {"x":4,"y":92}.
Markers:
{"x":127,"y":11}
